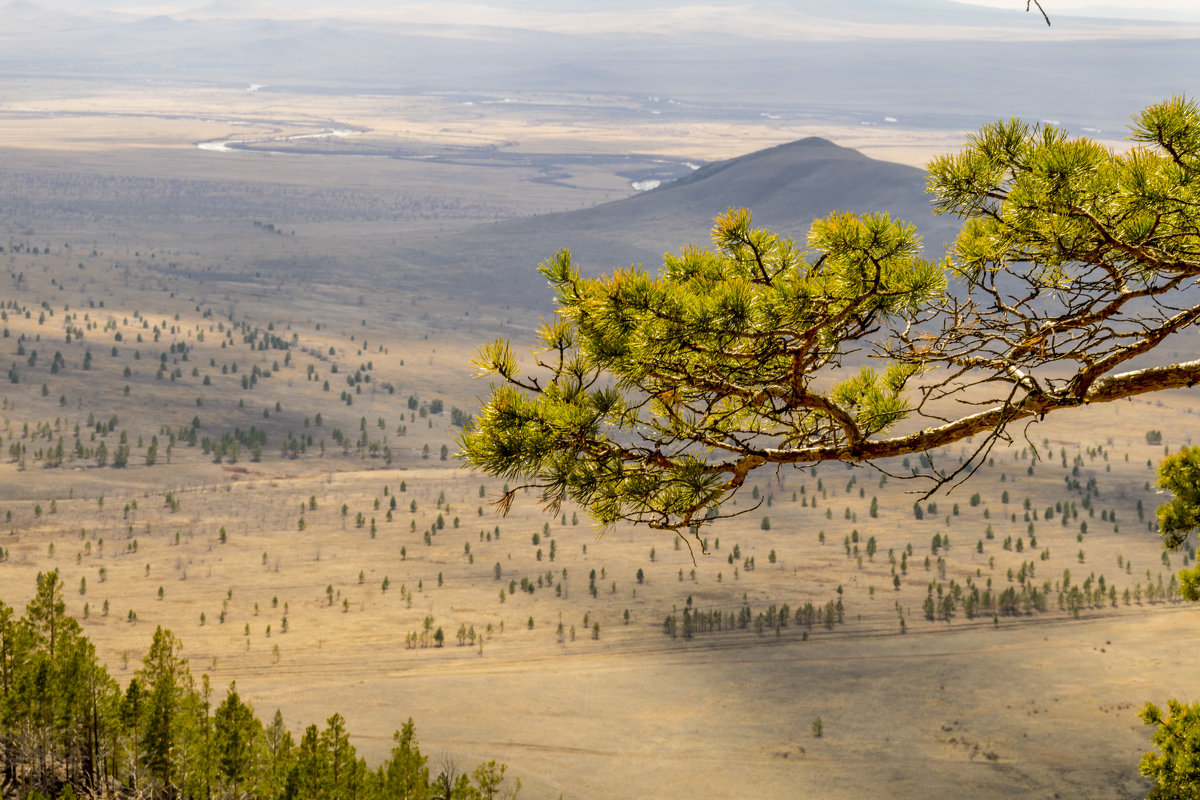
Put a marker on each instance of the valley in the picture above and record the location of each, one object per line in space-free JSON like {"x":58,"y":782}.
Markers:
{"x":276,"y":348}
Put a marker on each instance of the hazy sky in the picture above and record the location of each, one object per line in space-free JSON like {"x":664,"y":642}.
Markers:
{"x":763,"y":19}
{"x":1141,"y":9}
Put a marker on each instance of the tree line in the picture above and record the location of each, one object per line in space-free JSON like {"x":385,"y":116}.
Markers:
{"x":68,"y":729}
{"x":696,"y":621}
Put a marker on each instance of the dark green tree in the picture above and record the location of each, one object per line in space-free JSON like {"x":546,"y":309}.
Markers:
{"x":278,"y":757}
{"x":1175,"y":770}
{"x":309,"y":777}
{"x":345,"y":778}
{"x":236,"y":734}
{"x":168,"y":690}
{"x":1179,"y":517}
{"x":405,"y":776}
{"x":56,"y":700}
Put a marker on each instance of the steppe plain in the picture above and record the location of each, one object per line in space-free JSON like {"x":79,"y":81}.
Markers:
{"x":161,"y":258}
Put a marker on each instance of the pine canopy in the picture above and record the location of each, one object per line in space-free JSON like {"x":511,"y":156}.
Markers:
{"x":651,"y":397}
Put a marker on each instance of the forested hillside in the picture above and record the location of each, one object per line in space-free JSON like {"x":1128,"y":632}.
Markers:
{"x":68,"y":729}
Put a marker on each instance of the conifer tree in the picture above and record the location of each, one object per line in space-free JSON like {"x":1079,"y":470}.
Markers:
{"x":651,"y":398}
{"x":236,"y":733}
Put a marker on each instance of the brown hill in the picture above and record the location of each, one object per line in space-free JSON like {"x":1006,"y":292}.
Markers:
{"x":785,"y":187}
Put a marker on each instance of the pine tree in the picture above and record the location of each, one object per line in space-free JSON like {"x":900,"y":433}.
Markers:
{"x":168,"y":686}
{"x":236,"y":733}
{"x":663,"y":392}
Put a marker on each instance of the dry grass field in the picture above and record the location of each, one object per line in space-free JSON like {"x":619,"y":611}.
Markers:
{"x":249,"y":292}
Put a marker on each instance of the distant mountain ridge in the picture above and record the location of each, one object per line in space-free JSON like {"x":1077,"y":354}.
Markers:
{"x":890,"y":57}
{"x":785,"y":187}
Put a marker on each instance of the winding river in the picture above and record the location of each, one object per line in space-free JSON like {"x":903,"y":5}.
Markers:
{"x":243,"y":145}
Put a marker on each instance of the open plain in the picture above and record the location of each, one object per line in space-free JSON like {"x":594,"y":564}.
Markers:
{"x":281,"y":379}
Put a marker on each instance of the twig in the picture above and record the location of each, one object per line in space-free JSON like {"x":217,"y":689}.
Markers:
{"x":1039,"y":8}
